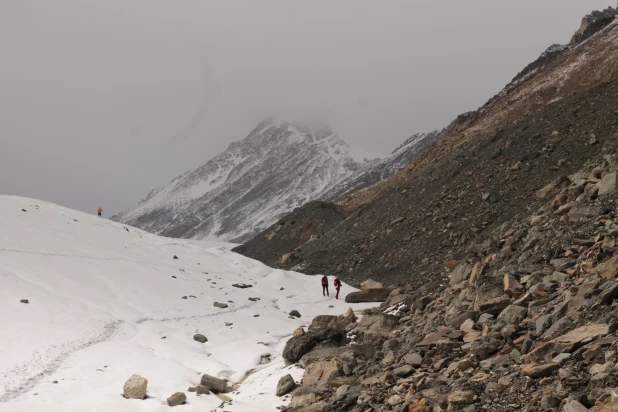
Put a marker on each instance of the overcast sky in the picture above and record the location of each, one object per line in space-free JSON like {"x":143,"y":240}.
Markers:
{"x":103,"y":100}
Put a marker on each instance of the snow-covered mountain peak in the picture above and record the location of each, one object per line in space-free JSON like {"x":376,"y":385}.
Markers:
{"x":278,"y":166}
{"x":271,"y":130}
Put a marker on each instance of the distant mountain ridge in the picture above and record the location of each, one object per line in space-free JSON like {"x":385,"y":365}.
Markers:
{"x":277,"y":167}
{"x":379,"y":169}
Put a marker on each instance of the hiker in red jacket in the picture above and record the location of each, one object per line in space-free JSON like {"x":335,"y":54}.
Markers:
{"x":337,"y":284}
{"x":325,"y":286}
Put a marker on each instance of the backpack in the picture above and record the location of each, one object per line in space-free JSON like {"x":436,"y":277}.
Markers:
{"x":337,"y":283}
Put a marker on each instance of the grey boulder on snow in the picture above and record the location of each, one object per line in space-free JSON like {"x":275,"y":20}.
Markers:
{"x":135,"y":387}
{"x":215,"y":385}
{"x":286,"y":385}
{"x":177,"y":399}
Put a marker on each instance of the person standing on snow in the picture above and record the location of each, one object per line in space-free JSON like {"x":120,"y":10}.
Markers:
{"x":325,"y":286}
{"x":100,"y":211}
{"x":337,"y":284}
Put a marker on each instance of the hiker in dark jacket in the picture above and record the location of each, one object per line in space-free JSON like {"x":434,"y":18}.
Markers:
{"x":325,"y":286}
{"x":337,"y":284}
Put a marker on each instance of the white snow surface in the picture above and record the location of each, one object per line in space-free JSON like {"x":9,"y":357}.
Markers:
{"x":103,"y":305}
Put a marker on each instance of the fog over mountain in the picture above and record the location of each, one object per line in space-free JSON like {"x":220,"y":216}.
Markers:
{"x":103,"y":101}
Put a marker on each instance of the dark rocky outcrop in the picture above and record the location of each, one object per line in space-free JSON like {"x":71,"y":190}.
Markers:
{"x":592,"y":23}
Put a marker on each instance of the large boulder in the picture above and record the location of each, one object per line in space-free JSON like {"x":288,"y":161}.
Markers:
{"x":397,"y":299}
{"x":512,"y":314}
{"x":200,"y":338}
{"x":461,"y":272}
{"x":567,"y":342}
{"x":607,"y":185}
{"x":460,"y":398}
{"x":574,"y":406}
{"x":492,"y":306}
{"x":536,"y":371}
{"x":371,"y":284}
{"x":215,"y":385}
{"x":177,"y":399}
{"x":298,"y":346}
{"x":202,"y":390}
{"x":608,"y":270}
{"x":413,"y":359}
{"x":319,"y":373}
{"x":546,"y":191}
{"x":135,"y":387}
{"x":593,"y":23}
{"x":608,"y":407}
{"x":377,"y":323}
{"x":331,"y":321}
{"x":286,"y":385}
{"x":368,"y":295}
{"x":436,"y":338}
{"x":485,"y":347}
{"x":512,"y":286}
{"x":327,"y":354}
{"x":583,"y":211}
{"x":322,"y":322}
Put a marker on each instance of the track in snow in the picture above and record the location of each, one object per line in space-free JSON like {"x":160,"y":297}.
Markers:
{"x":21,"y":379}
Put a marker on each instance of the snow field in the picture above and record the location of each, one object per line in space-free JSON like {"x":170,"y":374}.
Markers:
{"x":103,"y":305}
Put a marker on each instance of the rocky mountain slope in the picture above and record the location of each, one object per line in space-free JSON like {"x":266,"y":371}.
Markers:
{"x":380,"y":169}
{"x":560,"y":112}
{"x":276,"y":168}
{"x":526,"y":323}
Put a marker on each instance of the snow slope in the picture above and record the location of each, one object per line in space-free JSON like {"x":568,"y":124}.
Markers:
{"x":241,"y":191}
{"x":104,"y":304}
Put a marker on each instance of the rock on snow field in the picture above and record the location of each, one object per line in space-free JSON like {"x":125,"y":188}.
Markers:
{"x":105,"y":301}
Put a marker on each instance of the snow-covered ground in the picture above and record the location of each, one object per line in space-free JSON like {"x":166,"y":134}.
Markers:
{"x":106,"y":302}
